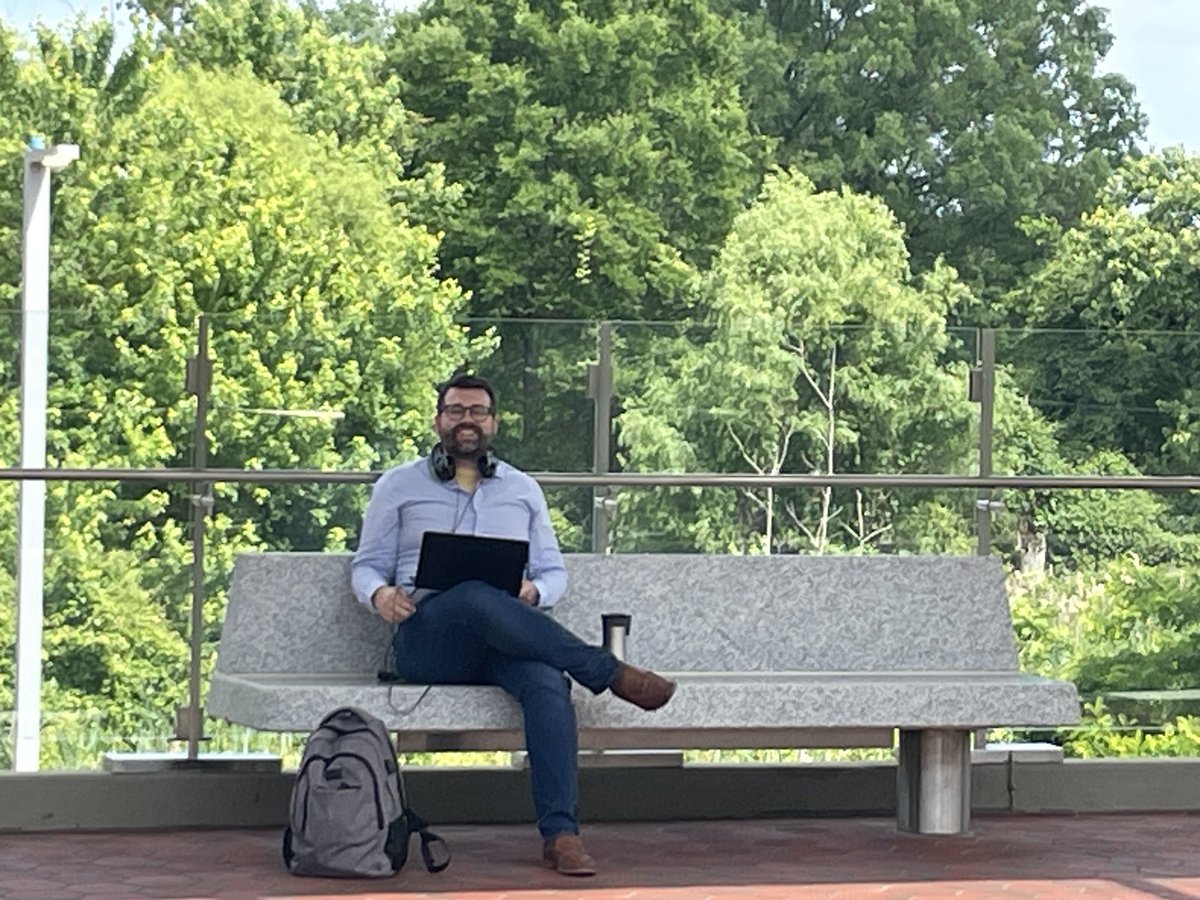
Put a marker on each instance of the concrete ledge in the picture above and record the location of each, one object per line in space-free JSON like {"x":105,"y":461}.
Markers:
{"x":56,"y":801}
{"x":53,"y":801}
{"x":127,"y":763}
{"x":1113,"y":785}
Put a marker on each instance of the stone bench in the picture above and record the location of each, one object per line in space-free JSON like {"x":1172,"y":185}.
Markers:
{"x":769,"y":652}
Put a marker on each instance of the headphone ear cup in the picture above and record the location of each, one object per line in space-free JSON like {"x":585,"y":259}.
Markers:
{"x":440,"y":462}
{"x":487,"y":464}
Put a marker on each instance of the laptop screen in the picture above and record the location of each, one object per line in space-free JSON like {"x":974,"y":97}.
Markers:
{"x":450,"y":559}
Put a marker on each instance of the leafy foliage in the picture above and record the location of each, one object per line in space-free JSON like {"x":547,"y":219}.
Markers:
{"x":1118,"y":297}
{"x":337,"y":187}
{"x":1088,"y":528}
{"x":1128,"y":626}
{"x":1125,"y":627}
{"x":823,"y":356}
{"x":1113,"y":736}
{"x":200,"y":195}
{"x":965,"y":116}
{"x":602,"y":147}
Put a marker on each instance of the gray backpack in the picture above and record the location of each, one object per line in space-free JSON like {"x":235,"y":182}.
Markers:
{"x":349,"y":815}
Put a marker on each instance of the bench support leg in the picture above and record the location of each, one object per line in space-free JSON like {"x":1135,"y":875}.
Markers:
{"x":933,"y":786}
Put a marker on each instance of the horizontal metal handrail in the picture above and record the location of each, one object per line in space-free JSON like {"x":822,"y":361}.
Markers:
{"x":636,"y":479}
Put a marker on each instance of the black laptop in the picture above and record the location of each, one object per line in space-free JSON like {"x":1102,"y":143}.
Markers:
{"x":450,"y":559}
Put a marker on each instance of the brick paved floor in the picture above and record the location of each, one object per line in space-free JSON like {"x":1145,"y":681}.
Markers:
{"x":1008,"y":856}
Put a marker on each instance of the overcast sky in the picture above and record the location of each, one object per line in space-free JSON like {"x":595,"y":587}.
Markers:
{"x":1157,"y":47}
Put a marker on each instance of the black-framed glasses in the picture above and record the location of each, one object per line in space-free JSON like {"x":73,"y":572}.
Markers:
{"x":456,"y":411}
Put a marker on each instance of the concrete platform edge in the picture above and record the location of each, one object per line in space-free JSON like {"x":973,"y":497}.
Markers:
{"x":54,"y":801}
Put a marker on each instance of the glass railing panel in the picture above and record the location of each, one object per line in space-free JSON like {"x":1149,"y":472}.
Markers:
{"x":115,"y":596}
{"x":116,"y":391}
{"x":540,"y":372}
{"x":711,"y":398}
{"x":1099,"y":590}
{"x":1099,"y":578}
{"x":1112,"y":391}
{"x":844,"y":520}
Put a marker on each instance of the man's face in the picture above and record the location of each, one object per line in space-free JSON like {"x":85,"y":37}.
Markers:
{"x":466,"y":422}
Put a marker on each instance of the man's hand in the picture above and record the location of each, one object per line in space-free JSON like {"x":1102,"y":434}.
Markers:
{"x":529,"y":593}
{"x":392,"y":603}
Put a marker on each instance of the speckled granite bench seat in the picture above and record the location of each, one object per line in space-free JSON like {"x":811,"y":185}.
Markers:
{"x":778,"y":651}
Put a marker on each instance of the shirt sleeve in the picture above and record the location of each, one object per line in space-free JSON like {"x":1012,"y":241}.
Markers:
{"x":546,"y":567}
{"x":375,"y":560}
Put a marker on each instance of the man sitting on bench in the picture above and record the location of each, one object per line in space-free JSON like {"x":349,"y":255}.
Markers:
{"x":474,"y":633}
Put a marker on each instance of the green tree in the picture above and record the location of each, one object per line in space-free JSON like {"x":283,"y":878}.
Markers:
{"x":359,"y":20}
{"x":337,"y":86}
{"x":602,"y":149}
{"x":602,"y":146}
{"x":204,"y":197}
{"x":61,"y":87}
{"x":1115,"y":361}
{"x":824,"y":356}
{"x":334,"y":87}
{"x":1086,"y":528}
{"x":965,"y":116}
{"x":1066,"y":530}
{"x":1127,"y":626}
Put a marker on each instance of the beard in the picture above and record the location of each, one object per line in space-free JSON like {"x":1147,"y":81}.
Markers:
{"x":465,"y":441}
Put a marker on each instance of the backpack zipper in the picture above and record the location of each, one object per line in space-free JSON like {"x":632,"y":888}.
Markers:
{"x":329,"y":759}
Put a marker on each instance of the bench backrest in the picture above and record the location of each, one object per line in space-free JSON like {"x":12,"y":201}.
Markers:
{"x":295,"y":612}
{"x":801,"y":613}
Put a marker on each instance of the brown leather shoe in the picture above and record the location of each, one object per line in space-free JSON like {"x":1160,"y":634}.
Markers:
{"x":641,"y":687}
{"x":565,"y":854}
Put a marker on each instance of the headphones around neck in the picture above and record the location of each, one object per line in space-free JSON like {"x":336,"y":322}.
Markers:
{"x":442,"y":463}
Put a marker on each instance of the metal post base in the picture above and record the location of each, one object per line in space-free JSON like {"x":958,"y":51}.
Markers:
{"x":933,"y":786}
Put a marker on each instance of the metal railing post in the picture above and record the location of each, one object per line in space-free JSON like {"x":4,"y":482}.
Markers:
{"x":600,"y":389}
{"x":984,"y":504}
{"x":189,"y":720}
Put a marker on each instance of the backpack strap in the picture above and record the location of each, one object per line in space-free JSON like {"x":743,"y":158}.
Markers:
{"x":288,"y":853}
{"x":429,"y":841}
{"x":414,"y":824}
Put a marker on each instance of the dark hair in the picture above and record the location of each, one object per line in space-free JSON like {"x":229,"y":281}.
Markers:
{"x":467,"y":382}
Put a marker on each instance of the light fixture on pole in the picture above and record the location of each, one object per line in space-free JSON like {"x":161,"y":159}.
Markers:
{"x":40,"y":163}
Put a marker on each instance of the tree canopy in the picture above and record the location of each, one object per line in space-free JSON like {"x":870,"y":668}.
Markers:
{"x":602,"y":147}
{"x":198,"y":194}
{"x":823,"y":356}
{"x":965,"y":116}
{"x":1115,"y":356}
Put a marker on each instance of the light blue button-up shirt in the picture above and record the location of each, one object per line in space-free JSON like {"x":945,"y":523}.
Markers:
{"x":409,"y":500}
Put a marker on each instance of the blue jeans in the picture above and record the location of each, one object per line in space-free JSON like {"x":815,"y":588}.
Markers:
{"x":476,"y":634}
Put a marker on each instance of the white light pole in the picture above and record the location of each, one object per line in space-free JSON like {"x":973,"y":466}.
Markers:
{"x":40,"y":162}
